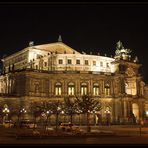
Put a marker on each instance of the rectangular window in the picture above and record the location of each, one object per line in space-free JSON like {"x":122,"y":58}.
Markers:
{"x":101,"y":64}
{"x":58,"y":91}
{"x":131,"y":88}
{"x":83,"y":90}
{"x":96,"y":91}
{"x":107,"y":91}
{"x":45,"y":64}
{"x":71,"y":90}
{"x":107,"y":65}
{"x":69,"y":61}
{"x":77,"y":61}
{"x":60,"y":61}
{"x":94,"y":63}
{"x":86,"y":62}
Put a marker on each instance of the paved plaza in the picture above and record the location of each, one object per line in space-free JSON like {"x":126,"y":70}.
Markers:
{"x":124,"y":135}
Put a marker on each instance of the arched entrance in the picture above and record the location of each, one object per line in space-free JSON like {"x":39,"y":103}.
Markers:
{"x":135,"y":109}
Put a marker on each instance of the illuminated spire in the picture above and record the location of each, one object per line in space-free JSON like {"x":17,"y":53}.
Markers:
{"x":60,"y":38}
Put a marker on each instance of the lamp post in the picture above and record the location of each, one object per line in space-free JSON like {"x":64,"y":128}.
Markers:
{"x":63,"y":113}
{"x":79,"y":113}
{"x":94,"y":113}
{"x":49,"y":112}
{"x":57,"y":117}
{"x":23,"y":111}
{"x":6,"y":112}
{"x":146,"y":114}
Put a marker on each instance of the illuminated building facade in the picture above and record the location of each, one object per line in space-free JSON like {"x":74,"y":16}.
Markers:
{"x":54,"y":71}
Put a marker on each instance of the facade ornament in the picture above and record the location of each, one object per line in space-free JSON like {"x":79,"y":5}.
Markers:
{"x":136,"y":59}
{"x":60,"y":38}
{"x":119,"y":45}
{"x":130,"y":72}
{"x":142,"y":84}
{"x":31,"y":43}
{"x":121,"y":52}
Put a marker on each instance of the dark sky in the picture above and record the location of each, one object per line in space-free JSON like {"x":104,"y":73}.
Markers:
{"x":84,"y":27}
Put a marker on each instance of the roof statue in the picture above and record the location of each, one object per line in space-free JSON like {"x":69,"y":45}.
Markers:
{"x":31,"y":43}
{"x":121,"y":52}
{"x":119,"y":45}
{"x":60,"y":38}
{"x":136,"y":59}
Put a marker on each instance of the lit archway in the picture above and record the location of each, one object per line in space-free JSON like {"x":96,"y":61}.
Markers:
{"x":135,"y":109}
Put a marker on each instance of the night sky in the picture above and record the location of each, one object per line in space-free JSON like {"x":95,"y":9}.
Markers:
{"x":84,"y":27}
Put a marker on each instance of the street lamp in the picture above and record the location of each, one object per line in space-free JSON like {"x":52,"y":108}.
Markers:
{"x":6,"y":112}
{"x":94,"y":113}
{"x":23,"y":111}
{"x":58,"y":108}
{"x":63,"y":113}
{"x":146,"y":113}
{"x":49,"y":112}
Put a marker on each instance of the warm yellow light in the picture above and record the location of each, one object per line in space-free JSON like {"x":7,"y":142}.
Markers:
{"x":62,"y":112}
{"x":147,"y":113}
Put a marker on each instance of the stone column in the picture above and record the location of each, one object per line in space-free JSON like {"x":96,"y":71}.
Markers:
{"x":125,"y":110}
{"x":102,"y":87}
{"x":91,"y":87}
{"x":141,"y":109}
{"x":128,"y":109}
{"x":112,"y":88}
{"x":122,"y":109}
{"x":78,"y":83}
{"x":64,"y":88}
{"x":52,"y":87}
{"x":113,"y":111}
{"x":75,"y":87}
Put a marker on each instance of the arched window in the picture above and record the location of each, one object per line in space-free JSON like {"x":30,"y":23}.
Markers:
{"x":96,"y":89}
{"x":107,"y":65}
{"x":107,"y":89}
{"x":84,"y":89}
{"x":71,"y":89}
{"x":58,"y":89}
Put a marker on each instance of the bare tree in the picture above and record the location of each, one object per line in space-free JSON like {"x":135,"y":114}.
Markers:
{"x":56,"y":108}
{"x":87,"y":104}
{"x":70,"y":107}
{"x":36,"y":108}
